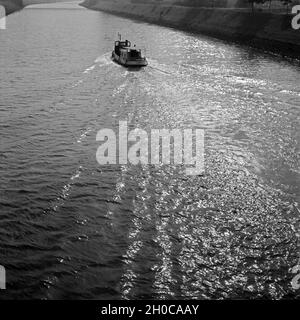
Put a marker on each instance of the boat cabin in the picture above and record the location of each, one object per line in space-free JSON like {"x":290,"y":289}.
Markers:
{"x":124,"y":48}
{"x":121,"y":44}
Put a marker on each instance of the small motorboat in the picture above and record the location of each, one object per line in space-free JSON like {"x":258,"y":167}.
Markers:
{"x":127,"y":55}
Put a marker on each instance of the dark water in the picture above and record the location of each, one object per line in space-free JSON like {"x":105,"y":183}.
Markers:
{"x":71,"y":228}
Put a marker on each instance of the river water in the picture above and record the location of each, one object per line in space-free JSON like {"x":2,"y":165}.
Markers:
{"x":71,"y":228}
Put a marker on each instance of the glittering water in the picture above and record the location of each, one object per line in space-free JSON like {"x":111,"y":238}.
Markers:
{"x":71,"y":228}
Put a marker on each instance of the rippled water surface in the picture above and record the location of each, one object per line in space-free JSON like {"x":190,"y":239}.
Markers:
{"x":71,"y":228}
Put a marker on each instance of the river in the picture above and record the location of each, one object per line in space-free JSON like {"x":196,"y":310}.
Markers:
{"x":71,"y":228}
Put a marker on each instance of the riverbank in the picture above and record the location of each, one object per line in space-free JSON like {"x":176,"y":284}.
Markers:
{"x":261,"y":29}
{"x":11,"y":5}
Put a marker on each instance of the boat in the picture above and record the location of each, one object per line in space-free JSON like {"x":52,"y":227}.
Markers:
{"x":127,"y":55}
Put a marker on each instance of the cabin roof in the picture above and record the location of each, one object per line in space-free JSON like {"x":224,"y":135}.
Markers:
{"x":130,"y":48}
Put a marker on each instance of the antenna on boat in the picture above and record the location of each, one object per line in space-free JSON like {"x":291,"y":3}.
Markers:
{"x":119,"y":36}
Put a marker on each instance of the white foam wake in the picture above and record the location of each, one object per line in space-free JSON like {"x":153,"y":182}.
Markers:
{"x":103,"y":60}
{"x":89,"y":69}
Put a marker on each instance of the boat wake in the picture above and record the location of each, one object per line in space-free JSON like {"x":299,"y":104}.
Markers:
{"x":84,"y":134}
{"x":89,"y":69}
{"x":104,"y":60}
{"x":65,"y":191}
{"x":155,"y":65}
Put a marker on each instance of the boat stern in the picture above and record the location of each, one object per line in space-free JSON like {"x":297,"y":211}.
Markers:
{"x":136,"y":63}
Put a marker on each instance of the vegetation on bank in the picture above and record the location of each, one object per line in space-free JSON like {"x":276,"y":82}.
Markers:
{"x":261,"y":4}
{"x":285,"y":3}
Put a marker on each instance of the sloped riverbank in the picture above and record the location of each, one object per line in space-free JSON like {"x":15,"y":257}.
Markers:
{"x":263,"y":29}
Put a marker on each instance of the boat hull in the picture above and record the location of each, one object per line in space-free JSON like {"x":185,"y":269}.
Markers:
{"x":129,"y":63}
